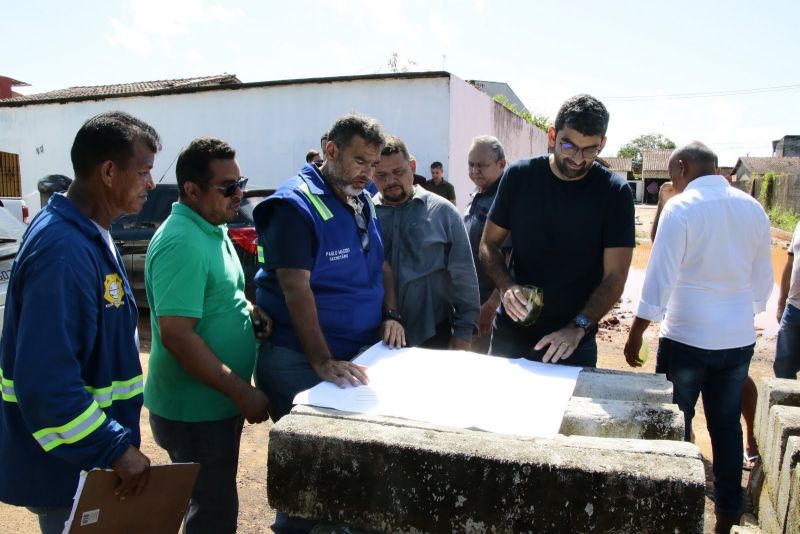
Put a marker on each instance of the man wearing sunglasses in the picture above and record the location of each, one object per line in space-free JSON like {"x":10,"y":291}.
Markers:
{"x":204,"y":330}
{"x":428,"y":249}
{"x":572,"y":222}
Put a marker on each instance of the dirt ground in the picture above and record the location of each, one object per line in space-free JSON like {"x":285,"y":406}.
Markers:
{"x":255,"y":515}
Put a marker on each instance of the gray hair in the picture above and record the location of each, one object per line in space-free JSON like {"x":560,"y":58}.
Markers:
{"x":493,"y":143}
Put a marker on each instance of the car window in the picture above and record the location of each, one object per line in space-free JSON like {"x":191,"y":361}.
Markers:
{"x":10,"y":228}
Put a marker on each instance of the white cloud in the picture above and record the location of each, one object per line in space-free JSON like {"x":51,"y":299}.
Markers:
{"x":155,"y":23}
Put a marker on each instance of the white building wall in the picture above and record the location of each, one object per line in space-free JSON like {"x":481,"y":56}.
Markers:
{"x":270,"y":127}
{"x":473,"y":113}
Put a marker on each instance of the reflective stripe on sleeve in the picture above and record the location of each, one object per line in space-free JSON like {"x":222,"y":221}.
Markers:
{"x":7,"y":391}
{"x":118,"y":390}
{"x":260,"y":250}
{"x":320,"y":206}
{"x":75,"y":430}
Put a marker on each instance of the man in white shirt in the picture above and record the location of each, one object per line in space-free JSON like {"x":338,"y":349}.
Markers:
{"x":787,"y":351}
{"x":709,"y":272}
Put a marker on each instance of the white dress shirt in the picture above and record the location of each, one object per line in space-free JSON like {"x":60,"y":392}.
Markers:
{"x":710,"y":268}
{"x":793,"y":297}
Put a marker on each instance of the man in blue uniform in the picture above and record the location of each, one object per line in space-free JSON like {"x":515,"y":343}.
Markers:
{"x":572,"y":222}
{"x":322,"y":281}
{"x":69,"y":357}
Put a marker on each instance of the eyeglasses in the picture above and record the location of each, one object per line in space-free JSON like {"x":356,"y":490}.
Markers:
{"x":230,"y":189}
{"x":590,"y":152}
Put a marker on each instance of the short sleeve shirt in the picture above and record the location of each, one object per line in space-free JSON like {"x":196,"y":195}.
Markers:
{"x":560,"y":229}
{"x":192,"y":270}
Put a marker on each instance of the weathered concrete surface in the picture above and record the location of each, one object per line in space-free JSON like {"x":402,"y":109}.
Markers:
{"x":773,"y":391}
{"x":784,"y":421}
{"x":793,"y":512}
{"x":622,"y":419}
{"x":407,"y":477}
{"x":623,"y":385}
{"x":767,"y":515}
{"x":790,"y":459}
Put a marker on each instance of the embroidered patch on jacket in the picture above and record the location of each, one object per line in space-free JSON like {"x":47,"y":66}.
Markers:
{"x":114,"y":290}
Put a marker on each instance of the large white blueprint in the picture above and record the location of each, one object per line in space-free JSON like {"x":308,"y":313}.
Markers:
{"x":455,"y":388}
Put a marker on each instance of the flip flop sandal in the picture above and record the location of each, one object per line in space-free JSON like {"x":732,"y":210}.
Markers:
{"x":749,"y":462}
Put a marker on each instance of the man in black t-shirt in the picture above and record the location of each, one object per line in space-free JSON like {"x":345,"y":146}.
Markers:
{"x":572,"y":222}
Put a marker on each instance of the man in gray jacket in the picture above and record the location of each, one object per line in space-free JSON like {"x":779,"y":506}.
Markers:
{"x":427,"y":246}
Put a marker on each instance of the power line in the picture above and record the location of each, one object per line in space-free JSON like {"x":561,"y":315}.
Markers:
{"x":709,"y":94}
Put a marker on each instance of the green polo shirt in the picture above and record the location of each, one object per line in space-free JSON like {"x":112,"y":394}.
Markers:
{"x":192,"y":270}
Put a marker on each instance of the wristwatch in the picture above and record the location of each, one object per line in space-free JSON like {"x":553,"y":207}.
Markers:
{"x":394,"y":315}
{"x":581,"y":321}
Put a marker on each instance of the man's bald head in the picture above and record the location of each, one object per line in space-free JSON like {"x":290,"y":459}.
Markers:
{"x":691,"y":161}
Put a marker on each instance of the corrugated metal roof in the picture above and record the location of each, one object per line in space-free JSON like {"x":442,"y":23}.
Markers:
{"x":128,"y":88}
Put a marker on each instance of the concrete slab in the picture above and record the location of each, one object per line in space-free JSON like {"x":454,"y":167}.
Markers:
{"x":784,"y":421}
{"x":793,"y":512}
{"x":622,"y":419}
{"x":623,"y":385}
{"x":767,"y":516}
{"x":791,"y":457}
{"x":773,"y":391}
{"x":402,"y":476}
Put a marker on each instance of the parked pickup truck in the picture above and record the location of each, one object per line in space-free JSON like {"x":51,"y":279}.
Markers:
{"x":16,"y":207}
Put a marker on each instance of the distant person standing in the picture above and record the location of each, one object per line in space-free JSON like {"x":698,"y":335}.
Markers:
{"x":312,"y":156}
{"x":572,"y":222}
{"x":437,"y":184}
{"x":69,"y":357}
{"x":787,"y":351}
{"x":486,"y":161}
{"x":709,"y":272}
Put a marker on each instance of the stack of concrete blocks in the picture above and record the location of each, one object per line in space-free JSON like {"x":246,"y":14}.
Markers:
{"x":618,"y":465}
{"x":775,"y":488}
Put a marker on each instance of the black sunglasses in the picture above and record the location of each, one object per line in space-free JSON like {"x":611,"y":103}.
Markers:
{"x":361,"y":223}
{"x":230,"y":189}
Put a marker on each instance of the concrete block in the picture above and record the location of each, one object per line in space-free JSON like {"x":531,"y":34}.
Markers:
{"x":790,"y":459}
{"x":401,"y":476}
{"x":767,"y":516}
{"x":793,"y":511}
{"x":784,"y":421}
{"x":773,"y":391}
{"x":622,"y":419}
{"x":623,"y":385}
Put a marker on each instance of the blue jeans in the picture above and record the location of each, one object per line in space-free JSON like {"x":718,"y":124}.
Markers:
{"x":719,"y":375}
{"x":282,"y":373}
{"x":215,"y":446}
{"x":584,"y":356}
{"x":51,"y":518}
{"x":787,"y":349}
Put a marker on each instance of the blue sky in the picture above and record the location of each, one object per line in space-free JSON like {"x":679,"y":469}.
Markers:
{"x":546,"y":51}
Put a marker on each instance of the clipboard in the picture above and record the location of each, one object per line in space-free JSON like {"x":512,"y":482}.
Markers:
{"x":158,"y":510}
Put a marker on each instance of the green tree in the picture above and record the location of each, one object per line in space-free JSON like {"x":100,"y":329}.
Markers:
{"x":633,"y":148}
